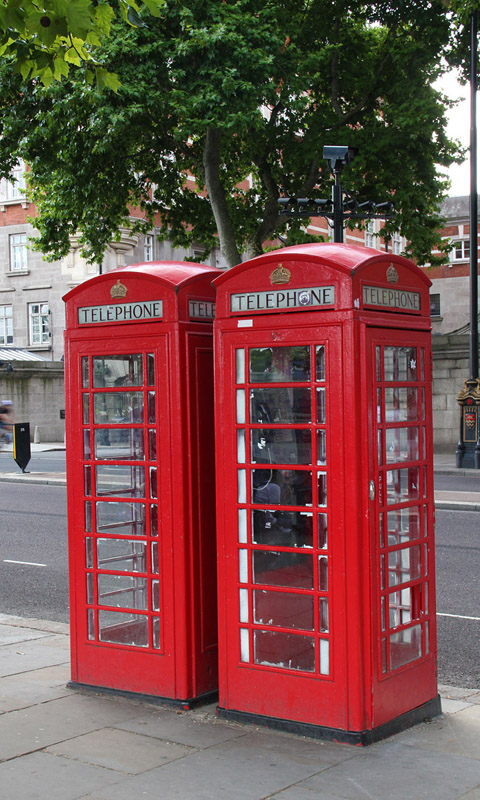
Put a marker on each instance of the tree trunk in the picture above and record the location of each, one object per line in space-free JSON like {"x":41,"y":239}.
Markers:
{"x":218,"y":199}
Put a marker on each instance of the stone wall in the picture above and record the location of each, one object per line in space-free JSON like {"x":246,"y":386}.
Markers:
{"x":36,"y":390}
{"x":450,"y":370}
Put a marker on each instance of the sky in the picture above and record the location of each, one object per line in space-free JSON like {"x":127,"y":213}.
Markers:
{"x":459,"y":128}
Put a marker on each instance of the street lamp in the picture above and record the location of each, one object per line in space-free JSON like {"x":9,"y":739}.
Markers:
{"x":342,"y":208}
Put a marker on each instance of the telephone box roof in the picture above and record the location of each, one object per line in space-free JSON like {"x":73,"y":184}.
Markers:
{"x":346,"y":258}
{"x":173,"y":274}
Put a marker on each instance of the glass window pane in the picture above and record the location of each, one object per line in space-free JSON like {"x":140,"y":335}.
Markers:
{"x":151,"y":369}
{"x":119,"y":444}
{"x":151,"y":408}
{"x":322,"y":488}
{"x":89,"y":552}
{"x":120,"y":628}
{"x":401,"y":404}
{"x":120,"y":479}
{"x":402,"y":485}
{"x":242,"y":525}
{"x":324,"y":657}
{"x":323,"y":574}
{"x":401,"y":444}
{"x":287,"y":487}
{"x":154,"y":555}
{"x":400,"y":364}
{"x":87,"y":480}
{"x":282,"y":609}
{"x":88,"y":516}
{"x":117,"y":408}
{"x":323,"y":614}
{"x":121,"y":555}
{"x":400,"y":608}
{"x":240,"y":365}
{"x":154,"y":520}
{"x":86,"y":444}
{"x":285,"y":650}
{"x":243,"y":566}
{"x":243,"y":600}
{"x":405,"y":646}
{"x":281,"y":446}
{"x":321,"y":407}
{"x":279,"y":364}
{"x":156,"y":595}
{"x":122,"y":591}
{"x":322,"y":531}
{"x":85,"y":373}
{"x":153,"y":482}
{"x":86,"y":408}
{"x":282,"y":528}
{"x":242,"y":485}
{"x":89,"y":588}
{"x":115,"y":371}
{"x":124,"y":518}
{"x":320,"y":362}
{"x":292,"y":570}
{"x":403,"y":525}
{"x":403,"y":565}
{"x":152,"y":444}
{"x":241,"y":446}
{"x":280,"y":405}
{"x":241,"y":406}
{"x":91,"y":624}
{"x":321,"y":447}
{"x":244,"y":645}
{"x":156,"y":632}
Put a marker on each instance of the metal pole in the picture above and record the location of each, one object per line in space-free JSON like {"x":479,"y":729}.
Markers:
{"x":337,"y":208}
{"x":473,"y":203}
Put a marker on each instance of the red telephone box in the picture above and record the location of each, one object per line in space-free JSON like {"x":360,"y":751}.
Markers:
{"x":139,"y":421}
{"x":325,"y":493}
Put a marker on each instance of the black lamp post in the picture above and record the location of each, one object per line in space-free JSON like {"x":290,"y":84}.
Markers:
{"x":468,"y":448}
{"x":342,"y":207}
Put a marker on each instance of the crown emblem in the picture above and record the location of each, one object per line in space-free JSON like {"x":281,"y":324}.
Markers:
{"x":118,"y":290}
{"x":392,"y":274}
{"x":280,"y":275}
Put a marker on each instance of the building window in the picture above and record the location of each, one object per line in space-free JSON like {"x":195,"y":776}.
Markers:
{"x":6,"y":325}
{"x":14,"y":189}
{"x":148,"y":248}
{"x":18,"y":252}
{"x":396,"y":244}
{"x":370,"y":238}
{"x":434,"y":305}
{"x":38,"y":324}
{"x":461,"y":250}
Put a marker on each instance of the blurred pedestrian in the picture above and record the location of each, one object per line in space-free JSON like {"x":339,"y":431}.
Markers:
{"x":6,"y":422}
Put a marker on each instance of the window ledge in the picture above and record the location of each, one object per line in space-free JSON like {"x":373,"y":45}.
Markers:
{"x":12,"y":273}
{"x":38,"y":347}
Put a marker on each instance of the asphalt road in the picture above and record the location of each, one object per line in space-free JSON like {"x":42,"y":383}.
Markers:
{"x":33,"y":529}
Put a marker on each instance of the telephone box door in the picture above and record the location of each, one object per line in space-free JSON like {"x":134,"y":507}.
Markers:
{"x":401,"y":513}
{"x":121,"y":556}
{"x":281,"y":566}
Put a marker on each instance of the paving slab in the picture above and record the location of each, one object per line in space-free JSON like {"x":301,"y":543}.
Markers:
{"x":474,"y":794}
{"x":173,"y":726}
{"x":40,"y":776}
{"x":9,"y":634}
{"x":298,"y":747}
{"x":456,"y":734}
{"x":399,"y":772}
{"x":296,"y":793}
{"x":229,"y":770}
{"x":31,"y":655}
{"x":40,"y":726}
{"x":126,"y":752}
{"x":37,"y":686}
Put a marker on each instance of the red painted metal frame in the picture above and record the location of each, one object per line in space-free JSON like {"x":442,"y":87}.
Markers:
{"x":354,"y":698}
{"x":184,"y":667}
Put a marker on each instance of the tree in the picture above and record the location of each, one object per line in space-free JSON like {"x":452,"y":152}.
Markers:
{"x":45,"y":39}
{"x":225,"y":106}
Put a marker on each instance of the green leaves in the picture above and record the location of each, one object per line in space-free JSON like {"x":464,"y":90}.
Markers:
{"x":240,"y":95}
{"x":37,"y":37}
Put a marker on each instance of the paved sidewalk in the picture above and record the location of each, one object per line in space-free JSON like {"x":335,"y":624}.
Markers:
{"x":59,"y":744}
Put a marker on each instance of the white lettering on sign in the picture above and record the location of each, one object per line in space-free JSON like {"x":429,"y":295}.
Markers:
{"x":283,"y":299}
{"x":201,"y":309}
{"x":121,"y":312}
{"x":391,"y":298}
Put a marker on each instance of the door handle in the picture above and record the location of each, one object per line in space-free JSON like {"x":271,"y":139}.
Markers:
{"x":371,"y":490}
